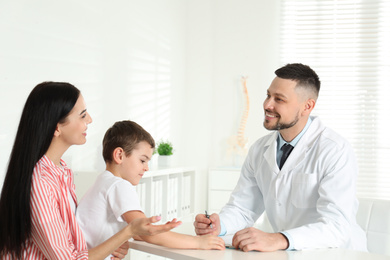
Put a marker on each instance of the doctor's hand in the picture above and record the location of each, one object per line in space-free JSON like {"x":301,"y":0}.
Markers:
{"x":254,"y":239}
{"x":205,"y":226}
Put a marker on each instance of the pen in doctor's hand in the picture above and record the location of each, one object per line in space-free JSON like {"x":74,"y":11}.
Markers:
{"x":208,"y":216}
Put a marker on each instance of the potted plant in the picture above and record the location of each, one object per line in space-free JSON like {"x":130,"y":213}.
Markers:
{"x":164,"y":150}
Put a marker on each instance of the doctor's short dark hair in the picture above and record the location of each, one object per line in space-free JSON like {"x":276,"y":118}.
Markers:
{"x":127,"y":135}
{"x":305,"y":76}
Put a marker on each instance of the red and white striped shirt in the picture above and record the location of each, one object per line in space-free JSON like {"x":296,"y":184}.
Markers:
{"x":55,"y":232}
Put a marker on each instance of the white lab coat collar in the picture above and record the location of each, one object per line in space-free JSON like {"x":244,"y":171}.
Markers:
{"x":300,"y":150}
{"x":305,"y":144}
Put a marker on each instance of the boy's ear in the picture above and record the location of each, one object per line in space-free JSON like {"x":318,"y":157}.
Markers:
{"x":118,"y":155}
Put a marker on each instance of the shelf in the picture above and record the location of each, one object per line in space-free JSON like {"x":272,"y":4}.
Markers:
{"x":168,"y":192}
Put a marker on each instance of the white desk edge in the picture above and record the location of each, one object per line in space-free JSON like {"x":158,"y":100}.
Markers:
{"x":317,"y":254}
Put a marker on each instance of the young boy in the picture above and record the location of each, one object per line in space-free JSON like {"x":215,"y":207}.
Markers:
{"x":112,"y":200}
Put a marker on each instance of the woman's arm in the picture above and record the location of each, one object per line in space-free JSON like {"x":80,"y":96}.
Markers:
{"x":176,"y":240}
{"x":140,"y":226}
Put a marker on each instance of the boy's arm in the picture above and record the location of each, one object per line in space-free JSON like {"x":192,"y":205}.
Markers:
{"x":176,"y":240}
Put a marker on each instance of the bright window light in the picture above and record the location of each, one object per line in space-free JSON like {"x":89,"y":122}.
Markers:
{"x":347,"y":43}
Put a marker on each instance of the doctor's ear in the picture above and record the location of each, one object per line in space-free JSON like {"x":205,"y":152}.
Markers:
{"x":309,"y":105}
{"x":118,"y":154}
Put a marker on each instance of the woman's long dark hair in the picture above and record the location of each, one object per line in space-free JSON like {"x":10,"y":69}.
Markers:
{"x":48,"y":104}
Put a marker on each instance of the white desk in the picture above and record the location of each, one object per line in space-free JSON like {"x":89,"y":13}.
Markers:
{"x":232,"y":254}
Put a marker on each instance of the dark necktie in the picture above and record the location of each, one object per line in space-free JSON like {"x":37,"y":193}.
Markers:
{"x":286,"y":149}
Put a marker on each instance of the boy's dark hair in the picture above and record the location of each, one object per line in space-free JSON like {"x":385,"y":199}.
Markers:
{"x":302,"y":74}
{"x":125,"y":134}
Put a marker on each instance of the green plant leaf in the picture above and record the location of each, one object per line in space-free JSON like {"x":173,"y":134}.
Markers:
{"x":164,"y":148}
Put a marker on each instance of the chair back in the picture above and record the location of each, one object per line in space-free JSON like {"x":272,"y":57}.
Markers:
{"x":374,"y":217}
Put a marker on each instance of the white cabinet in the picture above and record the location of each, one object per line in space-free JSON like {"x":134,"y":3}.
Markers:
{"x":169,"y":193}
{"x":222,"y":182}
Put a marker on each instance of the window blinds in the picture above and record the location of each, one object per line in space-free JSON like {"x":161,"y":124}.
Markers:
{"x":347,"y":42}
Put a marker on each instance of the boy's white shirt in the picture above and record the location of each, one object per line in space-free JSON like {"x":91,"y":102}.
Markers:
{"x":100,"y":211}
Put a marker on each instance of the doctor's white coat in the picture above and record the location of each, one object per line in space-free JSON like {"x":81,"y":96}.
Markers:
{"x":312,"y":198}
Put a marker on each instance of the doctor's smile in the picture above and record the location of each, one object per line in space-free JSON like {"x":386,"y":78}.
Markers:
{"x":269,"y":116}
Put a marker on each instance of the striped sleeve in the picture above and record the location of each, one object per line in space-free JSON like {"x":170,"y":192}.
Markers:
{"x":54,"y":230}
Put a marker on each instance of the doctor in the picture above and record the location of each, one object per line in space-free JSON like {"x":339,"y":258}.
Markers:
{"x":309,"y":197}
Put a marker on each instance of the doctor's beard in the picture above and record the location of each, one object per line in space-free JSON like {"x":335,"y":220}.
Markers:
{"x":280,"y":126}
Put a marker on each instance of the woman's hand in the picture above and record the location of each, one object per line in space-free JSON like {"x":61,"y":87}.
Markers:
{"x":121,"y":252}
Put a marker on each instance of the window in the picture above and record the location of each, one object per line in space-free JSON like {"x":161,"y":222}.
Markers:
{"x":346,"y":43}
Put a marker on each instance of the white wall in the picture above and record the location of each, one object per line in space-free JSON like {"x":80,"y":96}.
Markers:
{"x":127,"y":58}
{"x":173,"y":66}
{"x":226,"y":39}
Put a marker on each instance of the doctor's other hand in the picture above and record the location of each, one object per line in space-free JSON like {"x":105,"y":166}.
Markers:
{"x":144,"y":227}
{"x":205,"y":226}
{"x":254,"y":239}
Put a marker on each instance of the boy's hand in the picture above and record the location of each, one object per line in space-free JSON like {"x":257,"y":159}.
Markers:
{"x":211,"y":242}
{"x":204,"y":226}
{"x":144,"y":227}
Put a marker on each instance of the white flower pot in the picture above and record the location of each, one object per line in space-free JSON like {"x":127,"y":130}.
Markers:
{"x":164,"y":160}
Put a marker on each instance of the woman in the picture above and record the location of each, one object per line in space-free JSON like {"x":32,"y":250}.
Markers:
{"x":38,"y":200}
